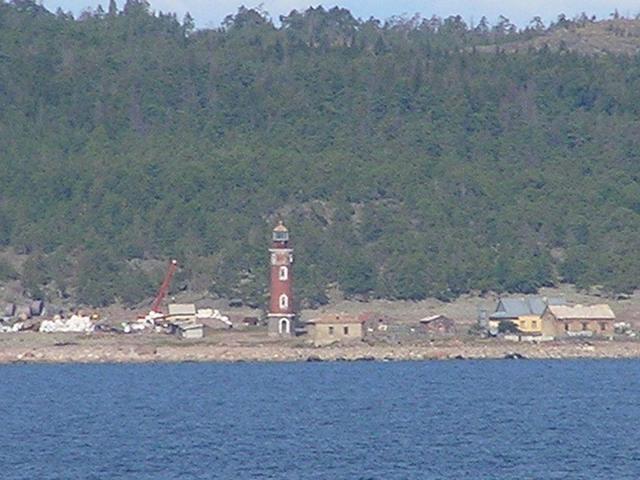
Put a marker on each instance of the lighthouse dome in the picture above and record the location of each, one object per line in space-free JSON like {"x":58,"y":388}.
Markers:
{"x":280,"y":227}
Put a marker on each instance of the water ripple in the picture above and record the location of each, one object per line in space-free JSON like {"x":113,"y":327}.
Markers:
{"x":569,"y":420}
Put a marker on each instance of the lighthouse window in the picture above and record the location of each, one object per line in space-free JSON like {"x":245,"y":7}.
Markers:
{"x":280,"y":236}
{"x":284,"y":301}
{"x":284,"y":273}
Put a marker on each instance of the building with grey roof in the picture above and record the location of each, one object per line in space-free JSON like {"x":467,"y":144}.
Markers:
{"x":524,"y":312}
{"x":513,"y":308}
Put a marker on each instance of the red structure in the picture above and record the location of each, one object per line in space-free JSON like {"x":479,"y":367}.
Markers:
{"x":164,"y":288}
{"x":281,"y":313}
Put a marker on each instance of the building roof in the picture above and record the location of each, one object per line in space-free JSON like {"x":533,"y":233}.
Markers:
{"x":182,"y":309}
{"x":190,"y":326}
{"x":336,"y":318}
{"x":280,"y":227}
{"x":433,"y":318}
{"x":586,"y":312}
{"x":519,"y":307}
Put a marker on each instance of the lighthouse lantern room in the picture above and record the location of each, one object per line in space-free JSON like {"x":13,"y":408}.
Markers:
{"x":281,"y":315}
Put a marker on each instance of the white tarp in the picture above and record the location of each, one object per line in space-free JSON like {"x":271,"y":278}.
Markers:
{"x":75,"y":323}
{"x":16,"y":327}
{"x":204,"y":313}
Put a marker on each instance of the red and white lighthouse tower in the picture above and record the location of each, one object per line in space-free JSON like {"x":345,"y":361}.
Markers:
{"x":281,"y":313}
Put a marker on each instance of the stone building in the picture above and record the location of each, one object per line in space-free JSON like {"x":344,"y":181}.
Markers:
{"x":334,"y":327}
{"x":578,"y":320}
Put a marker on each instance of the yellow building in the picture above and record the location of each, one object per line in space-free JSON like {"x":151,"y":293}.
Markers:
{"x":531,"y":324}
{"x":525,"y":313}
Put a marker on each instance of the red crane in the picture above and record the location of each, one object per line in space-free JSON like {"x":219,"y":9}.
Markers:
{"x":164,"y":288}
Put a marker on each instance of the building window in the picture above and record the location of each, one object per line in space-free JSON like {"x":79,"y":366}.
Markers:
{"x":330,"y":330}
{"x":566,"y":327}
{"x":585,"y":326}
{"x":534,"y":324}
{"x":283,"y":274}
{"x":603,"y":326}
{"x":284,"y":301}
{"x":346,"y":330}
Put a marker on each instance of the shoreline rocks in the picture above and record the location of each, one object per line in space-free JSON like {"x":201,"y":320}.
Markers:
{"x":97,"y":351}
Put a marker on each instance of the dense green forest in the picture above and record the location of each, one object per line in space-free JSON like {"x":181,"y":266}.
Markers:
{"x":407,"y":162}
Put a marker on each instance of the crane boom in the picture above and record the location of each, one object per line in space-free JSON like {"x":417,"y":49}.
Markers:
{"x":164,"y":288}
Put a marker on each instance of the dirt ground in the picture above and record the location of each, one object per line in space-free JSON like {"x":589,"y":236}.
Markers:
{"x":465,"y":309}
{"x":253,"y":344}
{"x":31,"y":347}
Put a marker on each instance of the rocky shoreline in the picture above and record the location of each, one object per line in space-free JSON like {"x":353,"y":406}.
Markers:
{"x":194,"y":352}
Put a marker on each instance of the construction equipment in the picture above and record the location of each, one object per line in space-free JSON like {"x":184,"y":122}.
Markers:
{"x":164,"y":288}
{"x":155,"y":314}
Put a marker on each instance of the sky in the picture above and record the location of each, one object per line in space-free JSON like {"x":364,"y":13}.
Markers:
{"x":209,"y":13}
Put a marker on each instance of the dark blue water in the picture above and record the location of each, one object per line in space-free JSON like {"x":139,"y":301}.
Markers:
{"x":432,"y":420}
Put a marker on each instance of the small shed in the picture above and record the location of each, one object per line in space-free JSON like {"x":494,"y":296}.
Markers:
{"x":182,"y":311}
{"x":437,"y":325}
{"x":191,"y":330}
{"x":251,"y":321}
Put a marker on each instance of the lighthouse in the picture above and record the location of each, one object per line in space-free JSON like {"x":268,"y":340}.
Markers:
{"x":281,"y":315}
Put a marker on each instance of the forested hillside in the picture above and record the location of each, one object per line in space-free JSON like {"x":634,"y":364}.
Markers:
{"x":409,"y":158}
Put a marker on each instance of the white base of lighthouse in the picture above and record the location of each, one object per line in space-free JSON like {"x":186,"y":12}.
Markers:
{"x":281,"y":324}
